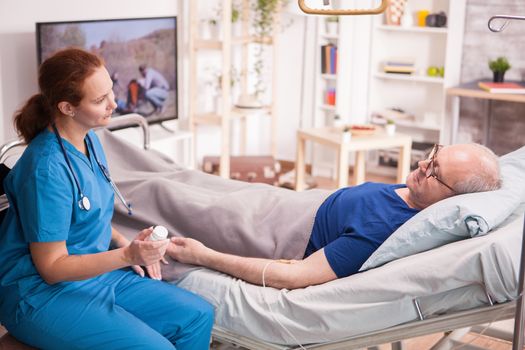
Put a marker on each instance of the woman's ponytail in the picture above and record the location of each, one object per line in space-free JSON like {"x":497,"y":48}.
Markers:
{"x":33,"y":117}
{"x":60,"y":78}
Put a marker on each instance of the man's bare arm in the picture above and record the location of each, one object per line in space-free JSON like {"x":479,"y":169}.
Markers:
{"x":279,"y":274}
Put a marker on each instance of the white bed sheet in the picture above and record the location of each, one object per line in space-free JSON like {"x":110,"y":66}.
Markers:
{"x":447,"y":279}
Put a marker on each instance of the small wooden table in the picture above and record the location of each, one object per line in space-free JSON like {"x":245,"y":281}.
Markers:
{"x":359,"y":144}
{"x":471,"y":89}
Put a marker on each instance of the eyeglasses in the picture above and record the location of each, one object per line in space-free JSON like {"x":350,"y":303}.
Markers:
{"x":431,"y":170}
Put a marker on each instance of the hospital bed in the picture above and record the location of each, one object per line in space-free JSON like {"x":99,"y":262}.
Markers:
{"x":459,"y":285}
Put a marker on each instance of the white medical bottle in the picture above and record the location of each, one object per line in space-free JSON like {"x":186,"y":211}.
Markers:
{"x":159,"y":233}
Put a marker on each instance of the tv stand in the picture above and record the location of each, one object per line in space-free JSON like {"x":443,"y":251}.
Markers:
{"x":167,"y":128}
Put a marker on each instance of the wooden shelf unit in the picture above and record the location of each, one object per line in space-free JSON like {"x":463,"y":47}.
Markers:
{"x":417,"y":93}
{"x":225,"y":45}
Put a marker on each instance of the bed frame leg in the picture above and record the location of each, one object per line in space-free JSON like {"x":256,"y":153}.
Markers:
{"x":519,"y":323}
{"x":447,"y":342}
{"x":398,"y":345}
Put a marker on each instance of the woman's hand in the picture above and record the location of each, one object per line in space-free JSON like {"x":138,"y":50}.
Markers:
{"x":187,"y":250}
{"x":145,"y":253}
{"x":154,"y":271}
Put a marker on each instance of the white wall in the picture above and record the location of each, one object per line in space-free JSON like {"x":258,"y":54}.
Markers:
{"x":18,"y":63}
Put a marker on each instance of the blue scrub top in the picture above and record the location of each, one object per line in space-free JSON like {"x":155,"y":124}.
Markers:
{"x":43,"y":200}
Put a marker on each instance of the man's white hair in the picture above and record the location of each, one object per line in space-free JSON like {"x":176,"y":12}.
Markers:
{"x":485,"y":177}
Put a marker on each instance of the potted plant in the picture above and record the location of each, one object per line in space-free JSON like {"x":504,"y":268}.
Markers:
{"x":209,"y":29}
{"x":263,"y":23}
{"x":347,"y":133}
{"x":236,"y":14}
{"x":215,"y":83}
{"x":498,"y":67}
{"x":331,"y":25}
{"x":337,"y":122}
{"x":390,"y":127}
{"x":236,"y":23}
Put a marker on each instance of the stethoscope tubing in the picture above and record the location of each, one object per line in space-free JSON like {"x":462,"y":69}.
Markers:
{"x":103,"y":169}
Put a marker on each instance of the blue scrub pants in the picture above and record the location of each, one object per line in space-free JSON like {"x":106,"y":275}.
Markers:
{"x":117,"y":310}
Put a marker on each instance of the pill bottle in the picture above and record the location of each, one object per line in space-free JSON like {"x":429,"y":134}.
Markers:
{"x":159,"y":233}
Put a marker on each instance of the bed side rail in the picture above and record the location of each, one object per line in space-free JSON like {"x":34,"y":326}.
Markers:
{"x":416,"y":328}
{"x":437,"y":324}
{"x":131,"y":120}
{"x":4,"y":151}
{"x":6,"y":147}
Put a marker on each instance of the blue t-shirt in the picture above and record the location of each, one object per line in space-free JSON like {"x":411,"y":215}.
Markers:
{"x":44,"y":207}
{"x":354,"y":221}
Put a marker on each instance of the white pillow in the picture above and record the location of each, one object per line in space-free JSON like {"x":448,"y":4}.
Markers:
{"x":458,"y":217}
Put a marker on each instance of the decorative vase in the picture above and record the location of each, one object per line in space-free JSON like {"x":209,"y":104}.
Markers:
{"x":237,"y":29}
{"x":347,"y":136}
{"x":394,"y":12}
{"x":209,"y":31}
{"x":499,"y":77}
{"x":407,"y":19}
{"x":217,"y":104}
{"x":337,"y":122}
{"x":331,"y":28}
{"x":215,"y":30}
{"x":390,"y":129}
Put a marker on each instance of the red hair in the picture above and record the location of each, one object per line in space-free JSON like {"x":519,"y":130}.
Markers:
{"x":61,"y":77}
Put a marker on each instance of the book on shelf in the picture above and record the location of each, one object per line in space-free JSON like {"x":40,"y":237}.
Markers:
{"x":329,"y":59}
{"x":399,"y":63}
{"x":399,"y":69}
{"x":330,"y":97}
{"x":333,"y":60}
{"x":502,"y":88}
{"x":401,"y":66}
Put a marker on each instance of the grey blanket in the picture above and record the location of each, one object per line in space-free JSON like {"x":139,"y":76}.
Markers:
{"x":234,"y":217}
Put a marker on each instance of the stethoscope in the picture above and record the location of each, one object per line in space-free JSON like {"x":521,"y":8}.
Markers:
{"x":84,"y":202}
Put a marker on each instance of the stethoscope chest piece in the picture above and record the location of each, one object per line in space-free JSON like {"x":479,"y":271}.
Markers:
{"x":84,"y":203}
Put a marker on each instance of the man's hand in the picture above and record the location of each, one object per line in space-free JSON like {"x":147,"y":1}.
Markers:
{"x":187,"y":250}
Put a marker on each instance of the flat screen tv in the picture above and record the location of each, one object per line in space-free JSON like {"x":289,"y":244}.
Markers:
{"x":140,"y":55}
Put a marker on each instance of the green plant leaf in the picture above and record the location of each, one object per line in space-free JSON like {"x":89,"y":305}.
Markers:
{"x":501,"y":64}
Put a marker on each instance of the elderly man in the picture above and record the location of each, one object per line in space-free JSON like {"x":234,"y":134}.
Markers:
{"x":354,"y":221}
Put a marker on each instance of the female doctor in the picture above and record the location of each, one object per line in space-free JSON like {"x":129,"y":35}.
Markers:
{"x":60,"y":286}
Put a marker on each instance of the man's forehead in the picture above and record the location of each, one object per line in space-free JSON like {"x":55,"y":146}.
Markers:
{"x":460,"y":153}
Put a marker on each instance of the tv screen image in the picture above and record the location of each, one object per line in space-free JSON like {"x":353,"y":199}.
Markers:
{"x":140,"y":55}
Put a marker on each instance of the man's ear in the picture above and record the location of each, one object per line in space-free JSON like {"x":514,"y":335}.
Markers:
{"x":66,"y":108}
